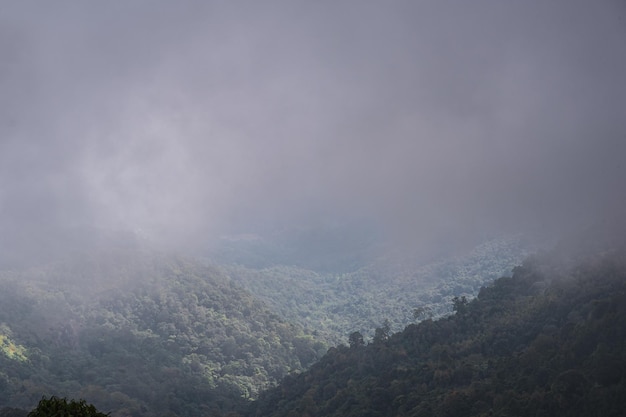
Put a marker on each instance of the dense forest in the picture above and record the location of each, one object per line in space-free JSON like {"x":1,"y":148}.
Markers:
{"x":138,"y":333}
{"x":392,"y":288}
{"x":550,"y":340}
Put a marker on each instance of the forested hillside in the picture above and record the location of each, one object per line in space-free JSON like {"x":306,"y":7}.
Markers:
{"x":550,"y":340}
{"x":398,"y":289}
{"x":145,"y":334}
{"x":141,"y":334}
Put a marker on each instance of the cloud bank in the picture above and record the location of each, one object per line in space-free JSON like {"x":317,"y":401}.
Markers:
{"x":431,"y":120}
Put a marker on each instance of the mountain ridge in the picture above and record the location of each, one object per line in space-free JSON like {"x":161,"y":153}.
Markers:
{"x":547,"y":341}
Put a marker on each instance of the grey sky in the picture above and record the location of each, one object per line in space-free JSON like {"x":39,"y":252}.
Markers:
{"x":430,"y":119}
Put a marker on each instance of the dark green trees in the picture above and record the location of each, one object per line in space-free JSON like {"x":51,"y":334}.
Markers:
{"x":513,"y":350}
{"x":459,"y":304}
{"x":60,"y":407}
{"x":356,"y":340}
{"x":383,"y":332}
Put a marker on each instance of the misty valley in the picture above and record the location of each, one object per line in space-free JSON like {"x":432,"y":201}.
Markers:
{"x":354,"y":208}
{"x":146,"y":333}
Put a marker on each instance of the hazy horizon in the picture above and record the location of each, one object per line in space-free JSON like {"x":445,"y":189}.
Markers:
{"x":425,"y":121}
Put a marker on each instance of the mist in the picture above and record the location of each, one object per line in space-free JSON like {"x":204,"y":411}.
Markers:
{"x":430,"y":122}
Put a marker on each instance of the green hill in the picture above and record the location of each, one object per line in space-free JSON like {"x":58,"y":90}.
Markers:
{"x":550,"y":340}
{"x":138,"y":333}
{"x":390,"y":288}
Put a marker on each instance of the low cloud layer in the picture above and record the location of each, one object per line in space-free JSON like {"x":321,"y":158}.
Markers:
{"x":431,"y":120}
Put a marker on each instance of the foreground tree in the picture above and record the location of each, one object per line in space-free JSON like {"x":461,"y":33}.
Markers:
{"x":60,"y":407}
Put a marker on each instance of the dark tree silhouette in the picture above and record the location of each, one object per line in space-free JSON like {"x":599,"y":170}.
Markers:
{"x":356,"y":340}
{"x":60,"y":407}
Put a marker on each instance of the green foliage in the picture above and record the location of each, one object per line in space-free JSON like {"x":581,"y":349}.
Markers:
{"x":11,"y":349}
{"x":548,"y":341}
{"x":60,"y":407}
{"x":335,"y":304}
{"x":382,"y":333}
{"x":356,"y":340}
{"x":146,"y":334}
{"x":459,"y":304}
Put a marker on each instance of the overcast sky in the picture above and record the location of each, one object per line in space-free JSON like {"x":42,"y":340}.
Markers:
{"x":186,"y":120}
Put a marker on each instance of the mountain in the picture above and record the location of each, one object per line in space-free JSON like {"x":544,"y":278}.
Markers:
{"x":334,"y":304}
{"x":549,"y":340}
{"x":141,"y":333}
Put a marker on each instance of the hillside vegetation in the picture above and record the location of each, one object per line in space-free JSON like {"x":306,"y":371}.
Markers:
{"x":141,"y":334}
{"x":333,"y":305}
{"x":550,"y":340}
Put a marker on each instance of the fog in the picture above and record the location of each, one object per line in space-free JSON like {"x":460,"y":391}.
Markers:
{"x":430,"y":121}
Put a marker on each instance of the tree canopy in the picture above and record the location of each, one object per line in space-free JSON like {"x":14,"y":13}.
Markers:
{"x":550,"y":340}
{"x":61,"y":407}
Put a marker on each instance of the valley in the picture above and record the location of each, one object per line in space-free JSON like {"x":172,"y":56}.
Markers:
{"x":138,"y":332}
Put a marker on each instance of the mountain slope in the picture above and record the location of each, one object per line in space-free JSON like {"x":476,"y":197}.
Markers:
{"x":550,"y":340}
{"x":141,"y":333}
{"x":336,"y":304}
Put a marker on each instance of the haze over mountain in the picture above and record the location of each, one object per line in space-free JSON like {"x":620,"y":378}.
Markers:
{"x":430,"y":123}
{"x":197,"y":198}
